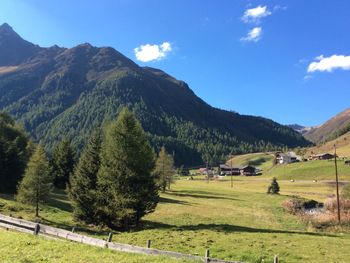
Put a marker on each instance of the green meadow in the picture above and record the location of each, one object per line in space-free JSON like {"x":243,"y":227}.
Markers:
{"x":239,"y":223}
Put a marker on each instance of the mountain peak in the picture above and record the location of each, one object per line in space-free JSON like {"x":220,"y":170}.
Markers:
{"x":7,"y":30}
{"x":13,"y":49}
{"x":6,"y":26}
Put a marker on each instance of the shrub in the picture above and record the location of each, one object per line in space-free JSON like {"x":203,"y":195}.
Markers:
{"x":331,"y":204}
{"x":274,"y":188}
{"x":293,"y":205}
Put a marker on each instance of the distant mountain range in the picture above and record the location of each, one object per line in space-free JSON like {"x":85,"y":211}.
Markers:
{"x":299,"y":128}
{"x":57,"y":92}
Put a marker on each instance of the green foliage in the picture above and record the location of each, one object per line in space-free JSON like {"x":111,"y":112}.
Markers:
{"x":274,"y":188}
{"x":37,"y":181}
{"x":83,"y":183}
{"x":62,"y":163}
{"x":164,"y":171}
{"x":13,"y":153}
{"x":127,"y":188}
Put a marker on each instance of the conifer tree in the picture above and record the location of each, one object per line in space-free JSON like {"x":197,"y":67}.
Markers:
{"x":13,"y":153}
{"x":62,"y":163}
{"x":274,"y":188}
{"x":83,"y":182}
{"x":127,"y":188}
{"x":37,"y":182}
{"x":164,"y":169}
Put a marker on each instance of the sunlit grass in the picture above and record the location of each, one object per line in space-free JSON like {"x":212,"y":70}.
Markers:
{"x":239,"y":223}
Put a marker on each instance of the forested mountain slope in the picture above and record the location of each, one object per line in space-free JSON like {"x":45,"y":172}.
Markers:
{"x":58,"y":92}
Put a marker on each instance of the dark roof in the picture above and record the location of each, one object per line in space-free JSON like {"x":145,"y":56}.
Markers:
{"x":224,"y":166}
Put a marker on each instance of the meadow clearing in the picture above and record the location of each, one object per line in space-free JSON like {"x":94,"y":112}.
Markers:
{"x":239,"y":223}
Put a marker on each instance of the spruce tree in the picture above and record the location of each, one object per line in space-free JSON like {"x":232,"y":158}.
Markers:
{"x":164,"y":169}
{"x":83,"y":183}
{"x":62,"y":163}
{"x":13,"y":154}
{"x":127,"y":188}
{"x":274,"y":188}
{"x":37,"y":182}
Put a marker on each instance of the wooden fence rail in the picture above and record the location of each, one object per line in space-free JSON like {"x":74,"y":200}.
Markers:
{"x":35,"y":228}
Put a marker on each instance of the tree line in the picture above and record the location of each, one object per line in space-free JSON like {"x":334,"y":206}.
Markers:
{"x":115,"y":182}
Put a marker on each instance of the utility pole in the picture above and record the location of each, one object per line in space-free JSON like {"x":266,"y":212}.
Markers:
{"x":207,"y":165}
{"x":231,"y":171}
{"x":336,"y":180}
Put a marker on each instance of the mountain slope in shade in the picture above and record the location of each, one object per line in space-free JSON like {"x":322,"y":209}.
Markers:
{"x":13,"y":49}
{"x":60,"y":92}
{"x":333,"y":128}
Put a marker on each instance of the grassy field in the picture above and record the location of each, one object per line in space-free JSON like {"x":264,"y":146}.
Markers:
{"x":26,"y":248}
{"x":239,"y":223}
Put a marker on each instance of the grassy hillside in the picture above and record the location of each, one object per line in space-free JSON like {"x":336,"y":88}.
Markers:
{"x":260,"y":160}
{"x":20,"y":247}
{"x":312,"y":170}
{"x":239,"y":223}
{"x":342,"y":143}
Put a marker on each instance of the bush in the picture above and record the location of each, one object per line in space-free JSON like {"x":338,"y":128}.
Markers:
{"x":332,"y":206}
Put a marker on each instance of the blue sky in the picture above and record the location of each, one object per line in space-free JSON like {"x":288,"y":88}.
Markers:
{"x":285,"y":60}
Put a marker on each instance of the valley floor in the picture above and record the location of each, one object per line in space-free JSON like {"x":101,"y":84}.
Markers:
{"x":239,"y":223}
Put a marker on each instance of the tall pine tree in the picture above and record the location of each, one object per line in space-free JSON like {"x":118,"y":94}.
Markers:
{"x":62,"y":163}
{"x":37,"y":182}
{"x":127,"y":188}
{"x":164,"y":169}
{"x":83,"y":183}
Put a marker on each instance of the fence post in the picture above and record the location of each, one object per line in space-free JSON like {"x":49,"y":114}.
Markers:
{"x":73,"y":229}
{"x":275,"y":259}
{"x":36,"y":229}
{"x":110,"y":236}
{"x":148,"y":243}
{"x":206,"y":257}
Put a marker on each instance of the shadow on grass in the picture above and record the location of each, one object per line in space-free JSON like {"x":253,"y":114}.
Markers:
{"x":8,"y":197}
{"x":226,"y":228}
{"x":59,"y":199}
{"x":172,"y":201}
{"x":258,"y":161}
{"x":201,"y":194}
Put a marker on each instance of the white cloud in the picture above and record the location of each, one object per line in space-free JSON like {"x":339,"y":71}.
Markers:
{"x":329,"y":63}
{"x":148,"y":52}
{"x":253,"y":35}
{"x":254,"y":15}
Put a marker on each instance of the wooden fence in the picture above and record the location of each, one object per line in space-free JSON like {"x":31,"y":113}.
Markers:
{"x":40,"y":229}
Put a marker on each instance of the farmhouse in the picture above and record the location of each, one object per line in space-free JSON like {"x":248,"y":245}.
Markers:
{"x":285,"y":158}
{"x":228,"y":170}
{"x":248,"y":170}
{"x":322,"y":156}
